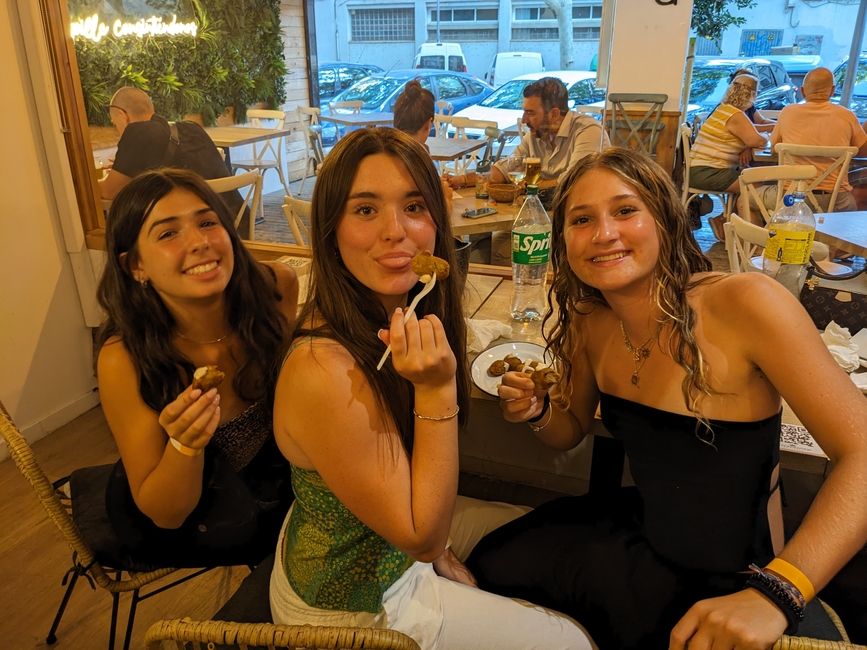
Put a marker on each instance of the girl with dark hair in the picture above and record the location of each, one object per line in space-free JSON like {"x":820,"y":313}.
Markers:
{"x":200,"y":480}
{"x":414,"y":111}
{"x":669,"y":353}
{"x":375,"y":453}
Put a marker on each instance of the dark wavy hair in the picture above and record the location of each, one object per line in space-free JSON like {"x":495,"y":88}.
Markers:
{"x":414,"y":107}
{"x":137,"y":315}
{"x":679,"y":258}
{"x":349,"y":311}
{"x":551,"y":92}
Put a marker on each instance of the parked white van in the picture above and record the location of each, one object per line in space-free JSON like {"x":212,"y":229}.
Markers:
{"x":508,"y":65}
{"x":441,"y":56}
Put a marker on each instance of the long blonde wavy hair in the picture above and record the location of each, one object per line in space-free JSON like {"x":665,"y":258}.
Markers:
{"x":679,"y":258}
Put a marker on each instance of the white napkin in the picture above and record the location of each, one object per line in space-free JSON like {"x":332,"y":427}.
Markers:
{"x":860,"y":380}
{"x":841,"y":347}
{"x":480,"y":333}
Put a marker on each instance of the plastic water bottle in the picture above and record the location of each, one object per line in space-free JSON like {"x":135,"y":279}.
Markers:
{"x":531,"y":249}
{"x":790,"y":241}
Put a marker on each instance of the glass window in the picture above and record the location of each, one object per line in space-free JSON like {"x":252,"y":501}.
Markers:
{"x":431,"y":61}
{"x":456,"y":63}
{"x":487,"y":14}
{"x":766,"y":78}
{"x":382,"y":24}
{"x":581,"y":92}
{"x":464,"y":14}
{"x":509,"y":95}
{"x":474,"y":86}
{"x":526,"y":13}
{"x":450,"y":87}
{"x":580,"y":13}
{"x":373,"y":91}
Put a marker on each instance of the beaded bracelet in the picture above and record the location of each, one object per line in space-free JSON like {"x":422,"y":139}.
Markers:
{"x":536,"y":423}
{"x":438,"y":418}
{"x":192,"y":452}
{"x":785,"y":596}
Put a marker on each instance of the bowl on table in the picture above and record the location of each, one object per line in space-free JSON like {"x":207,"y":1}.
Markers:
{"x":502,"y":192}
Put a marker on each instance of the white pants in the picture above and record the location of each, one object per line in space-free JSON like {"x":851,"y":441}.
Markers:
{"x":440,"y":613}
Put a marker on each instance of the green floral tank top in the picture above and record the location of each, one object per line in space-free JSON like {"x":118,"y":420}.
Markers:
{"x":331,"y":559}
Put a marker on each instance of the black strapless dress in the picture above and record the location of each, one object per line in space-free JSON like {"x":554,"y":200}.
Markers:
{"x":627,"y":564}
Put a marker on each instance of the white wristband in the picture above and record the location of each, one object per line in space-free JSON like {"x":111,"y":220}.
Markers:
{"x":186,"y":451}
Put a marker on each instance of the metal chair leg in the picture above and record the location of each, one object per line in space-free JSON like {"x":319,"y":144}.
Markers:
{"x":72,"y":576}
{"x":131,"y":619}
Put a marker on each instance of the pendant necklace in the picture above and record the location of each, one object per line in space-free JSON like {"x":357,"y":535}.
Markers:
{"x":639,"y":354}
{"x":192,"y":340}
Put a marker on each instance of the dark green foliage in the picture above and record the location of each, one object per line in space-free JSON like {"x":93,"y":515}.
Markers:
{"x":710,"y":18}
{"x":235,"y":60}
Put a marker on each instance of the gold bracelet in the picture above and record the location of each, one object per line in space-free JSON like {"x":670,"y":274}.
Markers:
{"x":438,"y":418}
{"x":536,"y":427}
{"x":186,"y":451}
{"x":794,"y":576}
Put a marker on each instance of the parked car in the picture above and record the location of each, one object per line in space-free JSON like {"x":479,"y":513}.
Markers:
{"x":380,"y":91}
{"x":858,"y":104}
{"x":505,"y":105}
{"x":334,"y":78}
{"x":441,"y":56}
{"x":797,"y":65}
{"x":710,"y":78}
{"x":508,"y":65}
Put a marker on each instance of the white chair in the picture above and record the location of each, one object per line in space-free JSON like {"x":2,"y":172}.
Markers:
{"x":308,"y":119}
{"x":753,"y":179}
{"x":441,"y":125}
{"x":801,"y":154}
{"x":689,"y":192}
{"x":297,"y":212}
{"x":267,"y":154}
{"x":444,"y":108}
{"x":745,"y":243}
{"x":252,"y":195}
{"x":490,"y":131}
{"x":352,"y":107}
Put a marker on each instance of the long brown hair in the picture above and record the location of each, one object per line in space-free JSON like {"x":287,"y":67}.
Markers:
{"x":679,"y":258}
{"x":348,"y":310}
{"x":137,"y":315}
{"x":413,"y":108}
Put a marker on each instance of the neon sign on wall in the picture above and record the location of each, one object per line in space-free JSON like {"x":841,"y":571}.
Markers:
{"x":95,"y":30}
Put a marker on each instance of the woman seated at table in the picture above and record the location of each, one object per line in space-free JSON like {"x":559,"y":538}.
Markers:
{"x":725,"y":136}
{"x":375,"y":452}
{"x":668,"y":351}
{"x":763,"y":124}
{"x":201,"y":481}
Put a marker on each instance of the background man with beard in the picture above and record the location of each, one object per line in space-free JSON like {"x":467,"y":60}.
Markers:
{"x":557,"y":136}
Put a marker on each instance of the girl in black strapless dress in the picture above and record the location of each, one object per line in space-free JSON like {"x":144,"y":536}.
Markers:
{"x":687,"y":368}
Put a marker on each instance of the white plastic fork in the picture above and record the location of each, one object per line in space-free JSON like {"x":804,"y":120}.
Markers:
{"x":409,"y":312}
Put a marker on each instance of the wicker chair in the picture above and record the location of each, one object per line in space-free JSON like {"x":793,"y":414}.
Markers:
{"x":87,"y":562}
{"x":806,"y":643}
{"x":206,"y":634}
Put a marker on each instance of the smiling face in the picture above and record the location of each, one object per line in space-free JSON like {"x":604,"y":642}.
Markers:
{"x":384,"y":223}
{"x":183,"y":250}
{"x":610,"y":234}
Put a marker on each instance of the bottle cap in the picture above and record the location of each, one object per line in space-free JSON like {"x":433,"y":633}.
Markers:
{"x":532,"y":189}
{"x":789,"y":200}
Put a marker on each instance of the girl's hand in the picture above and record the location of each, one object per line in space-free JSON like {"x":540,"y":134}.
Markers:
{"x":449,"y":566}
{"x":519,"y":399}
{"x":420,"y":351}
{"x":192,"y":418}
{"x":745,"y":620}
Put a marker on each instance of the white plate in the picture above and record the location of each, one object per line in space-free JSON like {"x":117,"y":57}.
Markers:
{"x":525,"y":351}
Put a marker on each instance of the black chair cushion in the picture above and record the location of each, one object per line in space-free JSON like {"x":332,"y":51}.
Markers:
{"x":817,"y":624}
{"x":87,"y":488}
{"x":251,"y":602}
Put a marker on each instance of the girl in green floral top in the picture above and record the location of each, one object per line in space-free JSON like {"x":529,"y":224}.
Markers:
{"x":375,"y":453}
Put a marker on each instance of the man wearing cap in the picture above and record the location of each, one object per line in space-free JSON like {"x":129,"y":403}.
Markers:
{"x":557,"y":136}
{"x":818,"y":122}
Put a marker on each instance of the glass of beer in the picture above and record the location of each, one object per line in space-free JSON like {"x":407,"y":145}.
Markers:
{"x":533,"y":169}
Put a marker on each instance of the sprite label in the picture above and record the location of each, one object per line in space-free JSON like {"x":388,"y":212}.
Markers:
{"x":789,"y":246}
{"x":531,"y":248}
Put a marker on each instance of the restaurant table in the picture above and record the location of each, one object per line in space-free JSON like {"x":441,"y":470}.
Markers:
{"x":238,"y":135}
{"x":442,"y":149}
{"x":846,"y":230}
{"x":501,"y":220}
{"x":358,"y":119}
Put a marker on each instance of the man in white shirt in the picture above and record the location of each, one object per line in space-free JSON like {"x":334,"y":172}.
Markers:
{"x":557,"y":136}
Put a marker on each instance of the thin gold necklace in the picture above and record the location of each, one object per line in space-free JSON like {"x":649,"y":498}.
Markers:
{"x":639,"y":354}
{"x":192,"y":340}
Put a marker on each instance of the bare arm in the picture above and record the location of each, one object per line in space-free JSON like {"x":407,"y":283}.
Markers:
{"x":287,"y":285}
{"x":327,"y":417}
{"x":113,"y":183}
{"x":741,"y":127}
{"x":165,"y":484}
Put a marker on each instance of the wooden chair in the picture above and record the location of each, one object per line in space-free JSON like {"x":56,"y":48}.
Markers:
{"x":267,"y":154}
{"x":441,"y":125}
{"x":308,"y":119}
{"x":96,"y":553}
{"x":353,"y":106}
{"x":745,"y":243}
{"x":487,"y":127}
{"x":752,"y":179}
{"x":688,"y":191}
{"x":252,"y":196}
{"x":297,"y":212}
{"x":206,"y":634}
{"x":639,"y":133}
{"x":800,"y":154}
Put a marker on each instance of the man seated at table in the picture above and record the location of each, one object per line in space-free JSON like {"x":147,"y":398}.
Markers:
{"x":148,"y":141}
{"x":557,"y":136}
{"x":818,"y":122}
